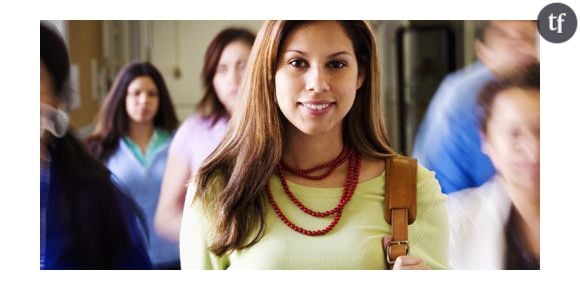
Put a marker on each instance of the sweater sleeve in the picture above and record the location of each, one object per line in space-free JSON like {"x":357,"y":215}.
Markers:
{"x":429,"y":235}
{"x":181,"y":144}
{"x":193,"y":246}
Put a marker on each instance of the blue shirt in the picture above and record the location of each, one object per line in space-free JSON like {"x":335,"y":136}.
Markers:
{"x":44,"y":191}
{"x":141,"y":177}
{"x":448,"y":140}
{"x":158,"y":140}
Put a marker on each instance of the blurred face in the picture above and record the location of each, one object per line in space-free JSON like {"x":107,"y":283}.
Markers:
{"x":229,"y":72}
{"x":317,"y":77}
{"x":513,"y":137}
{"x":142,"y":100}
{"x":508,"y":45}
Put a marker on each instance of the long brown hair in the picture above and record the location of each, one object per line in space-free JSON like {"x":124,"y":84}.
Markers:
{"x":210,"y":106}
{"x":113,"y":122}
{"x":231,"y":182}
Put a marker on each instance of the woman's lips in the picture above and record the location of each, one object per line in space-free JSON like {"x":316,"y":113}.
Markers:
{"x":317,"y":108}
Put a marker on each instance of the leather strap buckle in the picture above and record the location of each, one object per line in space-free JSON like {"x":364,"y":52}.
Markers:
{"x":390,"y":243}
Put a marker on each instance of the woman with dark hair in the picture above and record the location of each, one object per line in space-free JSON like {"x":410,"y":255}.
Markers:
{"x":86,"y":221}
{"x":223,"y":68}
{"x":298,"y":182}
{"x":132,"y":137}
{"x":497,"y":225}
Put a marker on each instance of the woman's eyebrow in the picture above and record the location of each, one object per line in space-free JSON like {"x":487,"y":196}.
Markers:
{"x":341,"y":53}
{"x":296,"y":51}
{"x":305,"y":53}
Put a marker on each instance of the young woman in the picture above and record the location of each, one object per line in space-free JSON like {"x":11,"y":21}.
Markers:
{"x":86,"y":222}
{"x":132,"y":137}
{"x":224,"y":64}
{"x":497,"y":225}
{"x":298,"y":181}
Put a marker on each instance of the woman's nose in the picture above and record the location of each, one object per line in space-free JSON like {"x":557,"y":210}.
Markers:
{"x":142,"y":98}
{"x":530,"y":146}
{"x":236,"y":76}
{"x":316,"y":80}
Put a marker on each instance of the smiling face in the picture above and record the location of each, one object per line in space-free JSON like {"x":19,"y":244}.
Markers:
{"x":317,"y":77}
{"x":512,"y":138}
{"x":142,"y":100}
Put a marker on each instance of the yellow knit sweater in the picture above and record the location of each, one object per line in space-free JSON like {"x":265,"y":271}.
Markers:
{"x":355,"y":243}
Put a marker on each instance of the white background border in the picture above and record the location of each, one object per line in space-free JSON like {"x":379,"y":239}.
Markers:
{"x":19,"y":151}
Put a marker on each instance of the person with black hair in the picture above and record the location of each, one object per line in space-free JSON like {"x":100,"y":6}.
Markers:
{"x":86,"y":221}
{"x":132,"y":137}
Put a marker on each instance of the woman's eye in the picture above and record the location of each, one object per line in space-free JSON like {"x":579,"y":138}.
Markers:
{"x":336,"y":64}
{"x":515,"y":132}
{"x":298,"y":63}
{"x":242,"y":66}
{"x":221,"y":69}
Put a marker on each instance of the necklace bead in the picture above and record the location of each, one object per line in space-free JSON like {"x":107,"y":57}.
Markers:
{"x":348,"y":191}
{"x":332,"y":165}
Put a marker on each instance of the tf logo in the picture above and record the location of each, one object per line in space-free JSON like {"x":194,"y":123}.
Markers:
{"x":557,"y":22}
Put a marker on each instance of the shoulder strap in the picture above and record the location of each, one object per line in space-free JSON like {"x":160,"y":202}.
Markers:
{"x":400,"y":202}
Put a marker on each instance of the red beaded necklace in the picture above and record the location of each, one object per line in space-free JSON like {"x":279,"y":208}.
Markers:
{"x":332,"y":165}
{"x":354,"y":163}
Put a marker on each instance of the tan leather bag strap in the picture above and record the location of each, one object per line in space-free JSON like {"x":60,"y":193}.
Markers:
{"x":400,"y":202}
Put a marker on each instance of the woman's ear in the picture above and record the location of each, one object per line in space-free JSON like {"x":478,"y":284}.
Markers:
{"x":485,"y":145}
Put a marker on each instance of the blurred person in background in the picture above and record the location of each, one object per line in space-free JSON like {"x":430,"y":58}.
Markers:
{"x":448,"y":141}
{"x":132,"y":137}
{"x":86,"y":221}
{"x":497,"y":225}
{"x":224,"y":65}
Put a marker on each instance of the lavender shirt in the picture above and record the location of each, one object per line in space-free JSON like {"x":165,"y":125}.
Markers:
{"x":196,"y":139}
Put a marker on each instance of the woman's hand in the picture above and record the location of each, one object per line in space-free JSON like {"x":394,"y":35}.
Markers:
{"x":410,"y":263}
{"x":405,"y":262}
